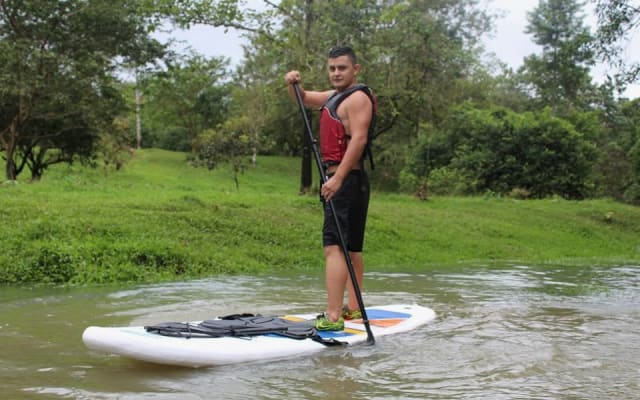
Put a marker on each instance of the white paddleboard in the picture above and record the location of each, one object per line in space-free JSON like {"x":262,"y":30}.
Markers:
{"x":136,"y":343}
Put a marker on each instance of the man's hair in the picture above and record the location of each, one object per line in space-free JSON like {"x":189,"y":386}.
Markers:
{"x":343,"y":51}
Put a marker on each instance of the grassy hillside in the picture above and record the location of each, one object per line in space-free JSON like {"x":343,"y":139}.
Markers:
{"x":159,"y":219}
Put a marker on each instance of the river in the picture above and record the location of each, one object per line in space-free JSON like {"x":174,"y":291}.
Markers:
{"x":511,"y":332}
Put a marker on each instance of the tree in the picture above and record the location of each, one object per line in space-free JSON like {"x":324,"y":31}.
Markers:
{"x":185,"y":98}
{"x":497,"y":150}
{"x":57,"y":61}
{"x":560,"y":76}
{"x":618,"y":170}
{"x":114,"y":146}
{"x":65,"y":126}
{"x":230,"y":143}
{"x":617,"y":21}
{"x":415,"y":53}
{"x":253,"y":105}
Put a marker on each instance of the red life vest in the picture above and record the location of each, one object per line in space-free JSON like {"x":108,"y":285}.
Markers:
{"x":333,"y":137}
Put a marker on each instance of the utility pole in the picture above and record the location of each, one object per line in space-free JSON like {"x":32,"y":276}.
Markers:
{"x":306,"y":175}
{"x":138,"y":95}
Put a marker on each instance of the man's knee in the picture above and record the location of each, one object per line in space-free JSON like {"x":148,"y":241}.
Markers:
{"x":332,"y":250}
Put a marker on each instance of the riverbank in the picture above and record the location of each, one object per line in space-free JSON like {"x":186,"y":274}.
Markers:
{"x":160,"y":219}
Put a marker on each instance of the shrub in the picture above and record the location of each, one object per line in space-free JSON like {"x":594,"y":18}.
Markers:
{"x":499,"y":150}
{"x":449,"y":182}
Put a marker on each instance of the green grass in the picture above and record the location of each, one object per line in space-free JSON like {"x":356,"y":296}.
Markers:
{"x":160,"y":219}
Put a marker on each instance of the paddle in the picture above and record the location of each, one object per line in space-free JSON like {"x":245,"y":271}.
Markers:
{"x":345,"y":250}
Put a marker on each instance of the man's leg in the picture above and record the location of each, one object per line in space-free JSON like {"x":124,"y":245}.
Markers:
{"x":336,"y":280}
{"x":358,"y":266}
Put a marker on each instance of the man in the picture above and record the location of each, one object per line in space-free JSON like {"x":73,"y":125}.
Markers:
{"x":343,"y":139}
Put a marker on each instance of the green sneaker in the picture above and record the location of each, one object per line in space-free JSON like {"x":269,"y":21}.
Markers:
{"x":351,"y":314}
{"x":324,"y":324}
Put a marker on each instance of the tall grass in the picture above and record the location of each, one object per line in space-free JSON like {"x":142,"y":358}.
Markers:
{"x":161,"y":219}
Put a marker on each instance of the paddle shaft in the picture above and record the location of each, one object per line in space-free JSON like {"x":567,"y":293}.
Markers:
{"x":343,"y":244}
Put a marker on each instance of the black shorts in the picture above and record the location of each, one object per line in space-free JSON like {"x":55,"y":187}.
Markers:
{"x":351,"y":203}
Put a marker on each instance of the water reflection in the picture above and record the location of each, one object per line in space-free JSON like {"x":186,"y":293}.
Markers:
{"x":502,"y":333}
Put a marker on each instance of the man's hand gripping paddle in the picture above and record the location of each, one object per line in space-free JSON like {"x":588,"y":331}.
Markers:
{"x":345,"y":250}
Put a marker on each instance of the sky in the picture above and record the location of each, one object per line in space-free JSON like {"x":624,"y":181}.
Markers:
{"x":508,"y":42}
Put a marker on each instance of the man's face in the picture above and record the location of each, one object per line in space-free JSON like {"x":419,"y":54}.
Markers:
{"x":342,"y":72}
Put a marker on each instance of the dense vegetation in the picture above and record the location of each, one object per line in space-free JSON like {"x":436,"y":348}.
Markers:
{"x":84,"y":80}
{"x":86,"y":83}
{"x":160,"y":219}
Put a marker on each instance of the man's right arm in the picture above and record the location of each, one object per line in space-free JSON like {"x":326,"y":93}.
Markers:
{"x":310,"y":98}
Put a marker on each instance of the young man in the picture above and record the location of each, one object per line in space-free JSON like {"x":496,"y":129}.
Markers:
{"x":343,"y":139}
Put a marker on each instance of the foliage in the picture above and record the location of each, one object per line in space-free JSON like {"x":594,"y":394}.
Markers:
{"x":421,"y":58}
{"x":230,"y":143}
{"x":612,"y":129}
{"x":61,"y":100}
{"x":114,"y":146}
{"x":631,"y":136}
{"x":183,"y":99}
{"x":253,"y":103}
{"x":413,"y":53}
{"x":560,"y":76}
{"x":56,"y":76}
{"x":157,"y":218}
{"x":618,"y":21}
{"x":498,"y":150}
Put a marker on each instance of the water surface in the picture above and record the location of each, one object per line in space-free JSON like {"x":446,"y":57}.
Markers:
{"x":514,"y":332}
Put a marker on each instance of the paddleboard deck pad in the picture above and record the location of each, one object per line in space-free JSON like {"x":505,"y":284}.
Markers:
{"x":200,"y":344}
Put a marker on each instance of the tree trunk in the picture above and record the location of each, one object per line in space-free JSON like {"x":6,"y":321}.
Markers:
{"x":11,"y":169}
